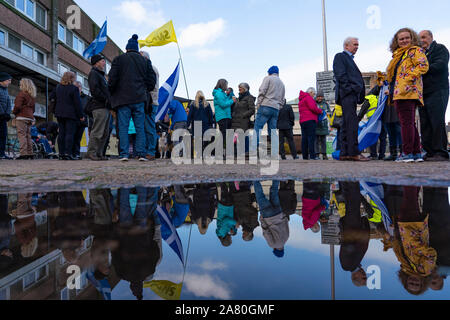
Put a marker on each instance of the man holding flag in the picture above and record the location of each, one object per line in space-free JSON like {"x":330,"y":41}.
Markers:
{"x":130,"y":80}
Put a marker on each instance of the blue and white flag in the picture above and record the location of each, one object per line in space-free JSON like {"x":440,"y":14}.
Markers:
{"x":166,"y":94}
{"x":102,"y":286}
{"x":169,"y":233}
{"x":370,"y":131}
{"x":376,"y":193}
{"x":99,"y":43}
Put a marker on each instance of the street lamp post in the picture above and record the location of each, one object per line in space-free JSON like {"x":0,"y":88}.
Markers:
{"x":325,"y":42}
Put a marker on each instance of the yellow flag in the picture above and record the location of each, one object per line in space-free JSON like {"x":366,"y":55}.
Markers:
{"x":165,"y":289}
{"x":160,"y":37}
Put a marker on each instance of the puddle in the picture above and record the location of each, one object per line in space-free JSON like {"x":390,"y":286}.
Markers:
{"x":270,"y":240}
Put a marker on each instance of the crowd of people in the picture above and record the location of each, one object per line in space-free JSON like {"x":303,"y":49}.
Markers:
{"x":125,"y":223}
{"x":417,"y":76}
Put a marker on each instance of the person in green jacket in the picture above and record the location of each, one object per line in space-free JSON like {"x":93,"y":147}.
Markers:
{"x":222,"y":106}
{"x":322,"y":130}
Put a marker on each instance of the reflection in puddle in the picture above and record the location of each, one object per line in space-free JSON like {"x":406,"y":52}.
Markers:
{"x":242,"y":240}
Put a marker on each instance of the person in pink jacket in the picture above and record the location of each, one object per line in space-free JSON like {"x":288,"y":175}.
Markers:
{"x":309,"y":118}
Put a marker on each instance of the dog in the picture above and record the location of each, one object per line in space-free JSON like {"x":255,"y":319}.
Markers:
{"x":163,"y":145}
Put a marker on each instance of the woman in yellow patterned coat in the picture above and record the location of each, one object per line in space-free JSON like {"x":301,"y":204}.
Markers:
{"x":404,"y":74}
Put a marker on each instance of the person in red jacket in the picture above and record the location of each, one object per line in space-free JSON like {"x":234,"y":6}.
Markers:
{"x":309,"y":117}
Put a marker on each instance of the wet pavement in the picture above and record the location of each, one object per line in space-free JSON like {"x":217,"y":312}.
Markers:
{"x":269,"y":240}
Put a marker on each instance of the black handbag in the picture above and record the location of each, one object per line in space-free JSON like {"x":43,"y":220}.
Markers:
{"x":5,"y":117}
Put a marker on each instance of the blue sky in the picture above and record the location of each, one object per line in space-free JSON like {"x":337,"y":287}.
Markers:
{"x":240,"y":39}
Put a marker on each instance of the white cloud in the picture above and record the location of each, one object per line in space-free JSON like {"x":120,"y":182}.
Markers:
{"x":209,"y":265}
{"x":207,"y":286}
{"x":201,"y":34}
{"x":141,"y":13}
{"x":204,"y":54}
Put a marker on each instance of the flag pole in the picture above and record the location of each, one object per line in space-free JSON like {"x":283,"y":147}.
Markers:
{"x":184,"y":74}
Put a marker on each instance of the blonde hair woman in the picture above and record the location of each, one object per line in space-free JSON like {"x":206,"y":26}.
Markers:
{"x":200,"y":111}
{"x":69,"y":113}
{"x":24,"y":107}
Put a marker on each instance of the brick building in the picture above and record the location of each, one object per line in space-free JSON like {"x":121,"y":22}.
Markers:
{"x":36,"y":43}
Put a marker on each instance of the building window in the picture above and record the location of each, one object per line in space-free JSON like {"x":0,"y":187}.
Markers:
{"x":69,"y":38}
{"x":20,"y":4}
{"x":41,"y":16}
{"x":65,"y":294}
{"x":2,"y":38}
{"x":11,"y":2}
{"x":14,"y":43}
{"x":75,"y":43}
{"x":61,"y":32}
{"x":30,"y":9}
{"x":39,"y":57}
{"x":27,"y":51}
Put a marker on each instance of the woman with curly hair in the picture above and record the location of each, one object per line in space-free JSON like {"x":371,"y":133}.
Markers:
{"x":404,"y":74}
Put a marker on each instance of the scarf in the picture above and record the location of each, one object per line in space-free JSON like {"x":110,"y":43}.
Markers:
{"x":395,"y":62}
{"x":245,"y":94}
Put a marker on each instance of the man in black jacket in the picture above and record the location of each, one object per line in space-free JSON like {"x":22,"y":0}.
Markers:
{"x":350,"y":90}
{"x":436,"y":93}
{"x":99,"y":107}
{"x":130,"y":81}
{"x":286,"y":121}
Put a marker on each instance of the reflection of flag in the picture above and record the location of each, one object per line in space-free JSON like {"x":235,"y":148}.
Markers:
{"x":169,"y":233}
{"x":375,"y":192}
{"x":102,"y":286}
{"x":370,"y":132}
{"x":99,"y":43}
{"x":166,"y":93}
{"x":165,"y":289}
{"x":160,"y":37}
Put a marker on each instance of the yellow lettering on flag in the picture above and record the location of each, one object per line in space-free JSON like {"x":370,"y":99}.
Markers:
{"x":160,"y":37}
{"x":165,"y":289}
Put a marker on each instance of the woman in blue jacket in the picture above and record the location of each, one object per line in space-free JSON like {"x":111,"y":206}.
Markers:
{"x":222,"y":106}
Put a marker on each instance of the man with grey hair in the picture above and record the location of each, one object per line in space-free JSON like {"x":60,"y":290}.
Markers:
{"x":436,"y":95}
{"x":350,"y":90}
{"x":150,"y":121}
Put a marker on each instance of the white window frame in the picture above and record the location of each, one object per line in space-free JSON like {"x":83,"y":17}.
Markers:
{"x":77,"y":73}
{"x":35,"y":275}
{"x":6,"y":37}
{"x":60,"y":24}
{"x":34,"y":17}
{"x":22,"y":43}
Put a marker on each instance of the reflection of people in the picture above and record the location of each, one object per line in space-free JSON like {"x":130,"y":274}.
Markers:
{"x":6,"y":254}
{"x":226,"y":225}
{"x":25,"y":226}
{"x":288,"y":197}
{"x":245,"y":213}
{"x":274,"y":222}
{"x":137,"y":253}
{"x":313,"y":206}
{"x":204,"y":206}
{"x":436,"y":204}
{"x":355,"y":231}
{"x":411,"y":244}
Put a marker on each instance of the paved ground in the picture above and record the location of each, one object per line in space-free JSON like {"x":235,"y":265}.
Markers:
{"x":47,"y":175}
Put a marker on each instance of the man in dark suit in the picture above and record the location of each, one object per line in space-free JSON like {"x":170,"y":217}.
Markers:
{"x":350,"y":90}
{"x":436,"y":92}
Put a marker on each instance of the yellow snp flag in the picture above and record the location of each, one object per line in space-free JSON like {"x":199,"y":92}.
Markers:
{"x":165,"y":289}
{"x":160,"y":37}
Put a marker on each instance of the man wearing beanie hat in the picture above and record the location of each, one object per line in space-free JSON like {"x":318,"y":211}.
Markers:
{"x":130,"y":80}
{"x":99,"y":107}
{"x":5,"y":111}
{"x":270,"y":100}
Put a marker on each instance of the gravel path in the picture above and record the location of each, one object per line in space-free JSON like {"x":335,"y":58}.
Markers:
{"x":49,"y":175}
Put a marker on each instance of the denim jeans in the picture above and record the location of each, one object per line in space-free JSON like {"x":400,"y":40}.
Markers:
{"x":272,"y":207}
{"x":124,"y":114}
{"x":126,"y":216}
{"x":150,"y":131}
{"x":309,"y":139}
{"x":394,"y":132}
{"x":265,"y":115}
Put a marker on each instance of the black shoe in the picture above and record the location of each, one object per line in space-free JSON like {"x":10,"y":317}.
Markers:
{"x":23,"y":158}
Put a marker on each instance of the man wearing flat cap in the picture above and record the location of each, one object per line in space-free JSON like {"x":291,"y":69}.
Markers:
{"x":5,"y":111}
{"x":99,"y":105}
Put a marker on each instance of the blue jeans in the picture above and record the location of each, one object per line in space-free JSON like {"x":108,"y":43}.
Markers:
{"x":3,"y":137}
{"x":150,"y":131}
{"x":394,"y":132}
{"x":265,"y":115}
{"x":124,"y":114}
{"x":272,"y":207}
{"x":309,"y":139}
{"x":141,"y":212}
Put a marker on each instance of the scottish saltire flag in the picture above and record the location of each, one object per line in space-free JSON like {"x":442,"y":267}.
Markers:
{"x":169,"y":233}
{"x":376,"y":193}
{"x":99,"y":43}
{"x":102,"y":286}
{"x":166,"y":93}
{"x":370,"y":131}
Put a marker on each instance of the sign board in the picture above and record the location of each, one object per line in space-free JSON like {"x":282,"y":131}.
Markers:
{"x":325,"y":83}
